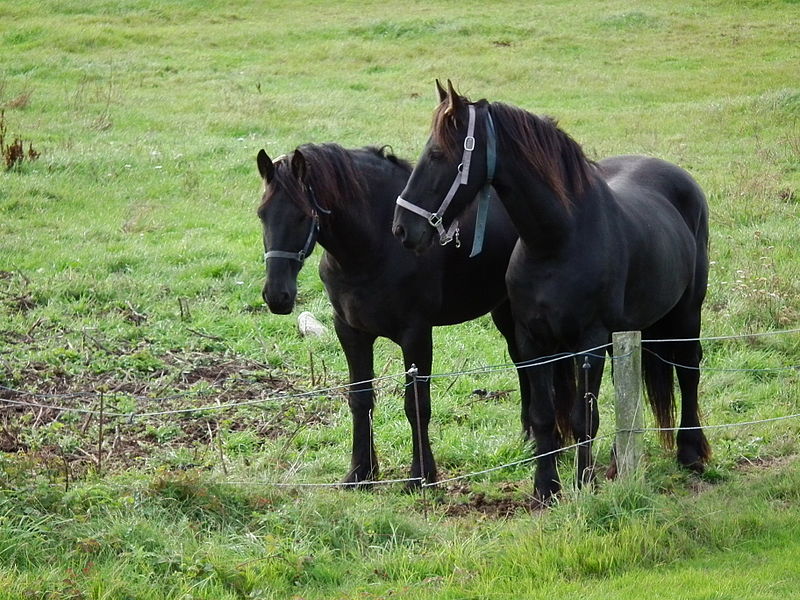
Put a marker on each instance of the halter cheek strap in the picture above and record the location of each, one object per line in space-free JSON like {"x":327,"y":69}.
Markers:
{"x":313,"y":233}
{"x":308,"y":248}
{"x":435,"y":218}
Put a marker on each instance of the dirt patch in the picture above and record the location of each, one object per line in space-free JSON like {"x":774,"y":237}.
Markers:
{"x":68,"y":423}
{"x":507,"y":500}
{"x":746,"y":465}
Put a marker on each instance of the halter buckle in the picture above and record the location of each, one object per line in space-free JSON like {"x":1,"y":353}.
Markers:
{"x":435,"y":220}
{"x":469,"y":143}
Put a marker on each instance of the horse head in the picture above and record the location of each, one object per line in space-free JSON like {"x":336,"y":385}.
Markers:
{"x":451,"y":171}
{"x":290,"y":226}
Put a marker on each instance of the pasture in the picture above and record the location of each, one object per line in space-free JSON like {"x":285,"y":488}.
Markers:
{"x":130,"y":294}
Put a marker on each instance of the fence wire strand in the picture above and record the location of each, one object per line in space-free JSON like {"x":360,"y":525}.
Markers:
{"x":414,"y":379}
{"x":737,"y":336}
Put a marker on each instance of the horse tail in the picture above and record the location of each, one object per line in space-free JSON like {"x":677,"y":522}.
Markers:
{"x":658,"y":379}
{"x":565,"y":390}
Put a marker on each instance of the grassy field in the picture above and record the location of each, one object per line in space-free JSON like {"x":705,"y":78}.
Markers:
{"x":131,"y":272}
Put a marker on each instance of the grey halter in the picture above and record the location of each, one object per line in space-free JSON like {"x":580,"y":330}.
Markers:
{"x":308,"y":248}
{"x":435,"y":218}
{"x":311,"y":240}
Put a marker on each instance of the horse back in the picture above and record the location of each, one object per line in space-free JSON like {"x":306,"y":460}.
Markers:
{"x":647,"y":183}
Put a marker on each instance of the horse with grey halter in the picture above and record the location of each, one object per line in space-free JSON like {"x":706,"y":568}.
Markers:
{"x":344,"y":200}
{"x":621,"y":244}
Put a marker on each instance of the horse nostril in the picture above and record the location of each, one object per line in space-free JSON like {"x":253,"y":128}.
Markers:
{"x":280,"y":302}
{"x":399,"y":232}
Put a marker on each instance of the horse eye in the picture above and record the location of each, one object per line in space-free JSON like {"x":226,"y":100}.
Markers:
{"x":436,"y":154}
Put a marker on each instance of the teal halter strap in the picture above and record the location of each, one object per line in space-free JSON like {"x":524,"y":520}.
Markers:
{"x":462,"y":177}
{"x":483,"y":196}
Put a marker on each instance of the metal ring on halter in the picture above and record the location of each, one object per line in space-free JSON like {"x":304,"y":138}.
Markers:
{"x":435,"y":220}
{"x":469,"y":143}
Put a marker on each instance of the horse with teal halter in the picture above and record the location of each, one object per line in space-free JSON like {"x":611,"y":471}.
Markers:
{"x":620,"y":244}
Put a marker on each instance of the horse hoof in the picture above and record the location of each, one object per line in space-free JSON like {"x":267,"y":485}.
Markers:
{"x":691,"y":460}
{"x":693,"y":450}
{"x":545,"y":493}
{"x":696,"y":466}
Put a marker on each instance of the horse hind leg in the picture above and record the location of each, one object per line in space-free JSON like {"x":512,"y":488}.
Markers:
{"x":658,"y":361}
{"x":694,"y":450}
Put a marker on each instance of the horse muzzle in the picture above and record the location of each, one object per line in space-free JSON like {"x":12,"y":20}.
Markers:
{"x":413,"y":236}
{"x":280,"y":302}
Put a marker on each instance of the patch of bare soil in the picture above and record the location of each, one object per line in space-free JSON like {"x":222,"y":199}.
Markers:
{"x":506,"y":501}
{"x":757,"y":464}
{"x":67,"y":423}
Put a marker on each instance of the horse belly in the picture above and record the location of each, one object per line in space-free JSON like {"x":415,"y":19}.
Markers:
{"x":469,"y":300}
{"x":656,"y":282}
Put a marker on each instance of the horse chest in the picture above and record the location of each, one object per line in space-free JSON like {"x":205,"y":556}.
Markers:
{"x":538,"y":303}
{"x":366,"y":308}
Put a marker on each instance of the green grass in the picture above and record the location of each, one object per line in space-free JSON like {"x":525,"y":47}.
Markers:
{"x":130,"y":264}
{"x":179,"y":533}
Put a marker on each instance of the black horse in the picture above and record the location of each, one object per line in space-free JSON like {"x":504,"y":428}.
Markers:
{"x":345,"y":199}
{"x":621,"y":244}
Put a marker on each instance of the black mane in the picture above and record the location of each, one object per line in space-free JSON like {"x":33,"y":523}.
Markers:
{"x":548,"y":150}
{"x":332,"y":173}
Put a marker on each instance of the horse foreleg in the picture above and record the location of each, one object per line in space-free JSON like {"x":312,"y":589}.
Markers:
{"x":418,"y":351}
{"x":542,"y":418}
{"x":358,"y":350}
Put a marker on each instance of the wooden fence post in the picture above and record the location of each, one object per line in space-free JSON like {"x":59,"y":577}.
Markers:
{"x":628,"y":407}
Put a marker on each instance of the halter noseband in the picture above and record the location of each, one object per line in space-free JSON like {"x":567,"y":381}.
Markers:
{"x":435,"y":218}
{"x":311,"y":240}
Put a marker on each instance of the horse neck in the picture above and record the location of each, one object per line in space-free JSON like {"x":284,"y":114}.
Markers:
{"x":539,"y":215}
{"x":355,"y":237}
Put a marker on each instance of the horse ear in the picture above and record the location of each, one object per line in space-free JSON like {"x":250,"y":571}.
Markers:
{"x":299,"y":165}
{"x":265,"y":166}
{"x":453,"y":99}
{"x":441,"y":91}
